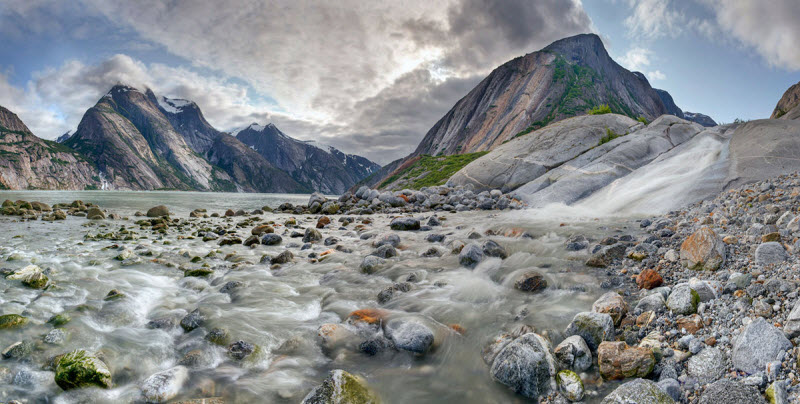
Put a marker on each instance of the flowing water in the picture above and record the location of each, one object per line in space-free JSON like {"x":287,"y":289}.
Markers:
{"x":279,"y":310}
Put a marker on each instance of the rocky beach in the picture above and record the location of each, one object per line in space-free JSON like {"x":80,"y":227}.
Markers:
{"x":473,"y":296}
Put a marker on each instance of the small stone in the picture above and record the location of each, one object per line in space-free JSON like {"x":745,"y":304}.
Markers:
{"x":683,"y":300}
{"x":573,"y":353}
{"x":165,"y":385}
{"x":770,"y":253}
{"x":570,"y":385}
{"x":649,"y":279}
{"x":594,"y":328}
{"x":531,"y":281}
{"x":612,"y":304}
{"x":703,"y":250}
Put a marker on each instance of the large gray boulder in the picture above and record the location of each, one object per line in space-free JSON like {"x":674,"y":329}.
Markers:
{"x":759,"y":344}
{"x":638,"y":391}
{"x":730,"y":392}
{"x":526,"y":366}
{"x":594,"y":328}
{"x":770,"y":253}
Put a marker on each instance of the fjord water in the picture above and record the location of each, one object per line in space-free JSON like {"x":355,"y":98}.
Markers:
{"x":278,"y":310}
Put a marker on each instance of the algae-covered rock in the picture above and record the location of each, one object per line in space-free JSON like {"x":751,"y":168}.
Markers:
{"x":31,"y":276}
{"x":342,"y":388}
{"x":79,"y":369}
{"x":570,"y":385}
{"x":12,"y":321}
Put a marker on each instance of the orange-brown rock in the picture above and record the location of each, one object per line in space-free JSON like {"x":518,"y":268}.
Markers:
{"x":618,"y":361}
{"x":368,"y":316}
{"x":649,"y":279}
{"x":703,"y":250}
{"x":691,"y":323}
{"x":323,"y":221}
{"x":262,"y":229}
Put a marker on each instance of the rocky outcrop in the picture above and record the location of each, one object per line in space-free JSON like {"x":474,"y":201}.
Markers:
{"x":28,"y":162}
{"x":321,"y":168}
{"x":787,"y":107}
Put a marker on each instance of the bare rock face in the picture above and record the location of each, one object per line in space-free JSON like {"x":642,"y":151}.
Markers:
{"x":28,"y":162}
{"x":703,"y":250}
{"x":787,"y":105}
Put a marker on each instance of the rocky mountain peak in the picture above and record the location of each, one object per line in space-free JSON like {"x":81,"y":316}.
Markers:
{"x":787,"y":107}
{"x":10,"y":121}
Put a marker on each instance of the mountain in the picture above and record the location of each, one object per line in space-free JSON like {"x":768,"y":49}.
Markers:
{"x":697,"y":117}
{"x":28,"y":162}
{"x":142,"y":143}
{"x":568,"y":78}
{"x":787,"y":107}
{"x":322,"y":168}
{"x":249,"y":170}
{"x":63,"y":138}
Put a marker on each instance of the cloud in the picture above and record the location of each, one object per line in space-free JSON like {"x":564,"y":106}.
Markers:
{"x":653,"y":19}
{"x":636,"y":59}
{"x":656,"y":75}
{"x":770,"y":28}
{"x":369,"y":77}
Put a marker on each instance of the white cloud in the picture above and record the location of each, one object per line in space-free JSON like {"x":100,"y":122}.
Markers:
{"x":324,"y":63}
{"x":656,"y":75}
{"x":636,"y":59}
{"x":653,"y":19}
{"x":770,"y":28}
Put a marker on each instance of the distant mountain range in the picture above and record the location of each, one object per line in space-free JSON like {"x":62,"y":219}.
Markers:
{"x":570,"y":77}
{"x":138,"y":141}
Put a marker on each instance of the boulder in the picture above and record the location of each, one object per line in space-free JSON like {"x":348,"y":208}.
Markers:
{"x":770,"y":253}
{"x":649,"y":279}
{"x":653,"y":302}
{"x":638,"y":391}
{"x":707,"y":366}
{"x":158,"y":211}
{"x":618,"y":361}
{"x":730,"y":392}
{"x":612,"y":304}
{"x":9,"y":321}
{"x":531,"y":281}
{"x":492,"y":249}
{"x":95,"y":214}
{"x":271,"y":239}
{"x":792,"y":325}
{"x":78,"y":369}
{"x":594,"y":328}
{"x":409,"y":335}
{"x":573,"y":353}
{"x":683,"y":300}
{"x":759,"y":344}
{"x":703,"y":250}
{"x":525,"y":366}
{"x":30,"y":276}
{"x":341,"y":387}
{"x":311,"y":235}
{"x":570,"y":385}
{"x":404,"y":224}
{"x":370,"y":264}
{"x":165,"y":385}
{"x":470,"y":256}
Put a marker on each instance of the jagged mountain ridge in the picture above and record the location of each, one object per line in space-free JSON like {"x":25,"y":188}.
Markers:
{"x":28,"y":162}
{"x":565,"y":79}
{"x":322,"y":168}
{"x":249,"y":171}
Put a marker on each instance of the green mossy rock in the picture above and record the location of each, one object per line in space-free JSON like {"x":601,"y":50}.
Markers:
{"x":12,"y":321}
{"x":342,"y":388}
{"x":79,"y":369}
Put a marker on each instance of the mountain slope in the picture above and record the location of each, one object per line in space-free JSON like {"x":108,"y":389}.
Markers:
{"x":567,"y":78}
{"x":28,"y":162}
{"x":324,"y":169}
{"x":787,"y":107}
{"x":131,"y":140}
{"x":249,"y":171}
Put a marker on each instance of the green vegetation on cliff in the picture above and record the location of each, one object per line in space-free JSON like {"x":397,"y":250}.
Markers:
{"x":430,"y":170}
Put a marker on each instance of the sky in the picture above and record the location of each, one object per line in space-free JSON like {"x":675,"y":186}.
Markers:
{"x":372,"y":77}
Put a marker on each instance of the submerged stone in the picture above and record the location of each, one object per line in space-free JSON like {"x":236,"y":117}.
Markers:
{"x":341,"y":387}
{"x":79,"y":369}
